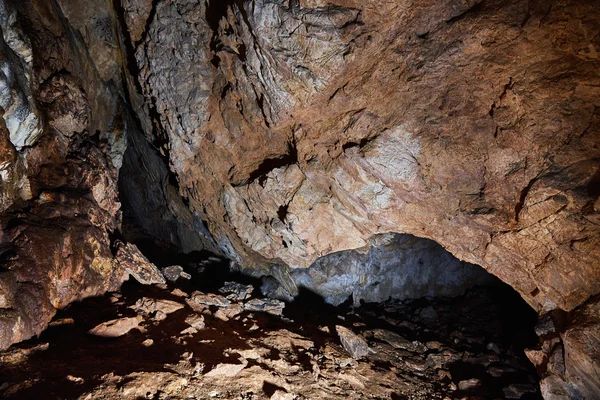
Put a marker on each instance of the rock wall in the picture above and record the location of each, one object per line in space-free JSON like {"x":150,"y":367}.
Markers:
{"x":302,"y":128}
{"x":391,"y":266}
{"x":63,"y":141}
{"x":297,"y":129}
{"x":64,"y":119}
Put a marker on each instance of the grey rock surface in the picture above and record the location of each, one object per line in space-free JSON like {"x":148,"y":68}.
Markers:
{"x":355,"y":345}
{"x":396,"y":266}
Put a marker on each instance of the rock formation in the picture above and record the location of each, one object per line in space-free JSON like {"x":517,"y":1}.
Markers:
{"x":294,"y":129}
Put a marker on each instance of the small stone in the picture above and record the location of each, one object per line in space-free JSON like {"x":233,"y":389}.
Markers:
{"x":133,"y":261}
{"x":159,"y":315}
{"x":493,"y":347}
{"x":346,"y":362}
{"x":226,"y":370}
{"x":236,"y":291}
{"x":325,"y":329}
{"x":75,"y":379}
{"x":496,"y":372}
{"x":173,"y":272}
{"x":398,"y":342}
{"x":429,"y":314}
{"x":469,"y":385}
{"x":62,"y":321}
{"x":416,"y":364}
{"x":147,"y":342}
{"x":185,"y":275}
{"x":116,"y":327}
{"x":443,"y":374}
{"x":233,"y":310}
{"x":355,"y":345}
{"x":202,"y":300}
{"x":179,"y":293}
{"x":219,"y":314}
{"x":433,"y":345}
{"x":195,"y":321}
{"x":270,"y":306}
{"x":148,"y":305}
{"x":189,"y":331}
{"x":281,"y":395}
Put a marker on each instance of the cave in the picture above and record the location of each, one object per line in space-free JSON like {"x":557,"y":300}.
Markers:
{"x":299,"y":199}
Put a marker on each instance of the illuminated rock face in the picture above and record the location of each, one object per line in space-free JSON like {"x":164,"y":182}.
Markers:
{"x":295,"y":130}
{"x":302,"y":128}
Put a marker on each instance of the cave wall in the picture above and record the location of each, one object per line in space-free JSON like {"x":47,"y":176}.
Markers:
{"x":63,"y":140}
{"x":302,"y":128}
{"x":390,"y":266}
{"x":65,"y":118}
{"x":298,"y":129}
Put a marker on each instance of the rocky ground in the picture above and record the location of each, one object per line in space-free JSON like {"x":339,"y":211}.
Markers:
{"x":174,"y":342}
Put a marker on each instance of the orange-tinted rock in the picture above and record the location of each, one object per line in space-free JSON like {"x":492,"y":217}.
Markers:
{"x":299,"y":130}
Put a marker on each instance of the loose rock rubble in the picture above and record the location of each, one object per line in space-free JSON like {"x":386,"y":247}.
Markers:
{"x":354,"y":344}
{"x":174,"y":272}
{"x":208,"y":346}
{"x":236,"y":291}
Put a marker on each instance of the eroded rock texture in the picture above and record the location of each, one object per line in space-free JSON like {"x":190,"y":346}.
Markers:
{"x":297,"y":129}
{"x":62,"y":134}
{"x":301,"y":128}
{"x":63,"y":140}
{"x":392,"y":266}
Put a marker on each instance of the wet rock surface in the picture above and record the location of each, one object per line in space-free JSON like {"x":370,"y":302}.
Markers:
{"x":390,"y":350}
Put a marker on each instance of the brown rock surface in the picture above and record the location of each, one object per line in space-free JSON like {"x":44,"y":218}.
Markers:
{"x":63,"y":121}
{"x":63,"y":126}
{"x":298,"y":129}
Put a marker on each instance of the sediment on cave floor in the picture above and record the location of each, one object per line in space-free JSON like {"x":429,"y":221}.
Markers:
{"x":211,"y":333}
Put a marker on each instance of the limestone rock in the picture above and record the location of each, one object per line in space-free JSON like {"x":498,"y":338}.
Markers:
{"x":355,"y":345}
{"x":149,"y":306}
{"x":133,"y":261}
{"x":195,"y":321}
{"x":226,"y":370}
{"x":207,"y":299}
{"x":271,"y":306}
{"x":581,"y":341}
{"x":235,"y":291}
{"x":58,"y":179}
{"x":116,"y":327}
{"x":312,"y":157}
{"x":174,"y":272}
{"x":398,"y":341}
{"x":299,"y":131}
{"x":517,"y":391}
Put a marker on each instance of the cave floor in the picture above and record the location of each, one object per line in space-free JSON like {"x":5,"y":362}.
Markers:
{"x":205,"y":348}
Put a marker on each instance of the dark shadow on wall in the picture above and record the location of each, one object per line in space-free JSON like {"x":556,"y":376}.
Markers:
{"x":153,"y":209}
